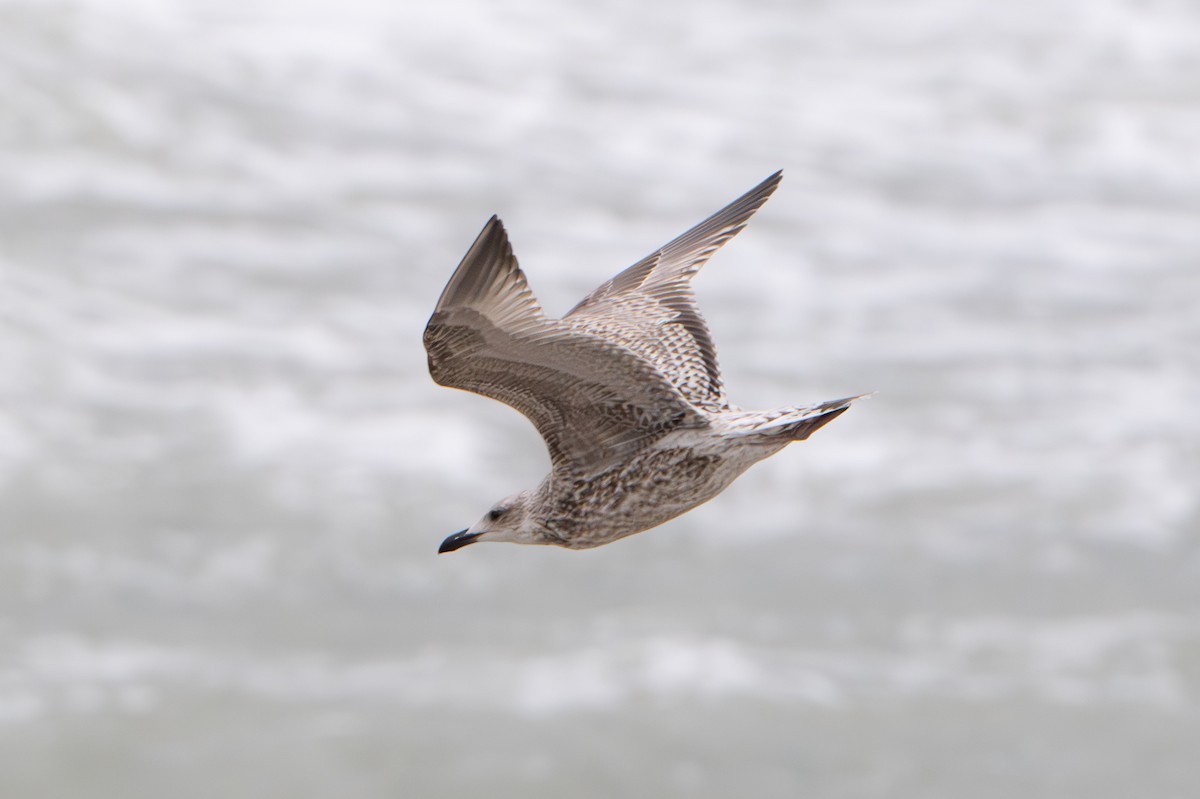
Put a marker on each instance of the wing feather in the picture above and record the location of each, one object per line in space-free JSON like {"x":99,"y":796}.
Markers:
{"x":593,"y":401}
{"x":650,"y":308}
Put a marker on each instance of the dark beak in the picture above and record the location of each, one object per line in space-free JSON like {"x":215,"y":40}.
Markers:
{"x":458,"y":541}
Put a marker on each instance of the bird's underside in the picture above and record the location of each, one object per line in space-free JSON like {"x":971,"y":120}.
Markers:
{"x":624,"y":389}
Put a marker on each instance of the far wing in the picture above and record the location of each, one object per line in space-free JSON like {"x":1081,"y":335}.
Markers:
{"x":650,"y":308}
{"x":593,"y":401}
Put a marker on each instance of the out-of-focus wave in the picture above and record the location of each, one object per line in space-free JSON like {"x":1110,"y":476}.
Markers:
{"x":224,"y":469}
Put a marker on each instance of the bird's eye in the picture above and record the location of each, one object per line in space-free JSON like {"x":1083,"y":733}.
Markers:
{"x":496,"y":513}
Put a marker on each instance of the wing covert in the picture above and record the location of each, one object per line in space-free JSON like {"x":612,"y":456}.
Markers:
{"x":592,"y":401}
{"x":650,"y":308}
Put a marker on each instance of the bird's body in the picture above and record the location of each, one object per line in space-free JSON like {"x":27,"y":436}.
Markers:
{"x":683,"y":469}
{"x":624,"y":389}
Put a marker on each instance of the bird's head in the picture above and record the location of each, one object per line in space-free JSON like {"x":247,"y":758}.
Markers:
{"x":508,"y":520}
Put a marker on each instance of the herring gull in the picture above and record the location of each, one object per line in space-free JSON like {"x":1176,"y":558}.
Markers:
{"x":624,"y":388}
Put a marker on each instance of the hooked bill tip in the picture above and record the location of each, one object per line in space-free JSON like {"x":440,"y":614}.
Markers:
{"x":458,"y":541}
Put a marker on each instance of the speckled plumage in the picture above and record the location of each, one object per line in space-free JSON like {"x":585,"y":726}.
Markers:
{"x":624,"y":389}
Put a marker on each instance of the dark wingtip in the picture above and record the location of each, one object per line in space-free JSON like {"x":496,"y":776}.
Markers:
{"x":458,"y":541}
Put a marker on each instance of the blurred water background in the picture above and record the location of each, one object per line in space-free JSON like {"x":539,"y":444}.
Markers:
{"x":224,"y":470}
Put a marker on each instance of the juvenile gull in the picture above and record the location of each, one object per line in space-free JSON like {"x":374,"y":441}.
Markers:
{"x":624,"y":389}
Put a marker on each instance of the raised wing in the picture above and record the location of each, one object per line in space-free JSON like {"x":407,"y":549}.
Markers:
{"x":593,"y":401}
{"x":650,"y":309}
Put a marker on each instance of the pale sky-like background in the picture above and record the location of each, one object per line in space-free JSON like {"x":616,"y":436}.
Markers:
{"x":224,"y":470}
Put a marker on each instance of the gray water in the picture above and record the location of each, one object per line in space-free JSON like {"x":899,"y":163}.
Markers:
{"x":224,"y":470}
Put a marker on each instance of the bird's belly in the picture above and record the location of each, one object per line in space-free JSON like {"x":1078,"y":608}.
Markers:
{"x":655,"y":486}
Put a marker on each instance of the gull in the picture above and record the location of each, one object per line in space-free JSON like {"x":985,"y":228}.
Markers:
{"x":624,"y":388}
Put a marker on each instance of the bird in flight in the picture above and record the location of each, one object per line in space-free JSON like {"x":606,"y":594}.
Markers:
{"x":624,"y":388}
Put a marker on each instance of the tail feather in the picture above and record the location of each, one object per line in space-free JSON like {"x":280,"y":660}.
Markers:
{"x":802,"y":429}
{"x":790,"y":424}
